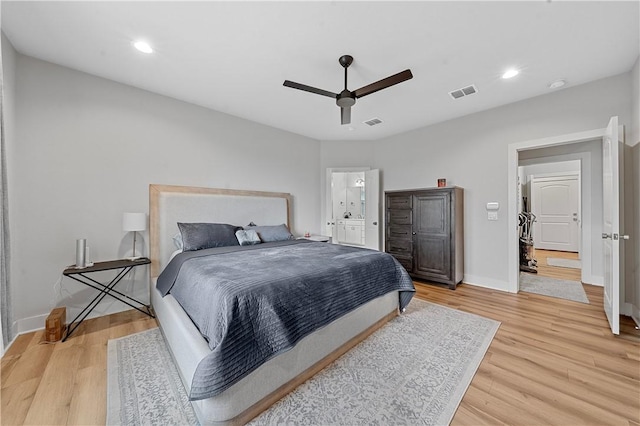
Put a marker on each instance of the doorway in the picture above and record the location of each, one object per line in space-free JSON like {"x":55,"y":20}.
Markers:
{"x":551,"y":188}
{"x":587,"y":148}
{"x":353,"y":207}
{"x":604,"y":252}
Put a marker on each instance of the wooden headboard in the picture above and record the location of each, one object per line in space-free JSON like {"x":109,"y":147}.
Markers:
{"x":170,"y":204}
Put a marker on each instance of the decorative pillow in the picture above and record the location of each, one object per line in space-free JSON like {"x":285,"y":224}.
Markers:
{"x":177,"y":241}
{"x":247,"y":237}
{"x":198,"y":236}
{"x":273,"y":233}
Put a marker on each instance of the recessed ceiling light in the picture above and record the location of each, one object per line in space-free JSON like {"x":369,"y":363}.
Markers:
{"x":557,"y":84}
{"x":143,"y":46}
{"x":510,"y":73}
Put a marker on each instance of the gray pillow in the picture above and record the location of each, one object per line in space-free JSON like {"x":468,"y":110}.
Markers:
{"x":247,"y":237}
{"x":273,"y":233}
{"x":198,"y":236}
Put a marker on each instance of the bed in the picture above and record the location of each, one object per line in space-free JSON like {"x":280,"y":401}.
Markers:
{"x":250,"y":392}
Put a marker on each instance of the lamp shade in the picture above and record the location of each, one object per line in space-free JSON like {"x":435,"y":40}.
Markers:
{"x":134,"y":221}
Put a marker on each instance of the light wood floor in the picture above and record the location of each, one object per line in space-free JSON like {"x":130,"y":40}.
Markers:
{"x":551,"y":362}
{"x":554,"y":271}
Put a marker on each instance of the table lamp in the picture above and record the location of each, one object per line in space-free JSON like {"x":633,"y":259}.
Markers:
{"x":134,"y":222}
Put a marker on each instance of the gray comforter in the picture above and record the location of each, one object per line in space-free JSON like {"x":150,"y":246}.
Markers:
{"x":253,"y":302}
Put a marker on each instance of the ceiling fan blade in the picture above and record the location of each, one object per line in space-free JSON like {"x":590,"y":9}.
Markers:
{"x":345,"y":115}
{"x":383,"y":84}
{"x":306,"y":88}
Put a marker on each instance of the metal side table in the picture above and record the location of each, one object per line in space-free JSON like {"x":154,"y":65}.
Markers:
{"x":82,"y":275}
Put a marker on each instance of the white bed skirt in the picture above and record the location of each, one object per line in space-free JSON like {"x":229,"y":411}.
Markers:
{"x":188,"y":347}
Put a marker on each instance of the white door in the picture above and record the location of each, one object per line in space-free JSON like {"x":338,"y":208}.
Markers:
{"x":555,"y":203}
{"x":611,"y":223}
{"x":372,"y":209}
{"x":337,"y":200}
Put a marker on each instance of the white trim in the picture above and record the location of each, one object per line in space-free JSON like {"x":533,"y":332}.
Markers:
{"x":36,"y":323}
{"x":634,"y":312}
{"x":593,"y":280}
{"x":485,"y":282}
{"x":328,"y":206}
{"x":27,"y":325}
{"x":512,"y":179}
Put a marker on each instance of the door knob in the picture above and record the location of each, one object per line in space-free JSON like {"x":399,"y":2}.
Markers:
{"x":606,"y":236}
{"x":624,"y":237}
{"x":375,"y":223}
{"x":413,"y":233}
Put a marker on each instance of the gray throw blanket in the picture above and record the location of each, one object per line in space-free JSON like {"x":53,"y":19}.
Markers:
{"x":252,"y":303}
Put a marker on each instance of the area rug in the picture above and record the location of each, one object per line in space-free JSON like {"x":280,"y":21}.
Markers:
{"x":143,"y":383}
{"x":563,"y":289}
{"x":564,"y":263}
{"x":414,"y":370}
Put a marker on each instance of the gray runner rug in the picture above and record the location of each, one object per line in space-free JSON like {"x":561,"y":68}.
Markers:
{"x":563,"y":289}
{"x":414,"y":370}
{"x":564,"y":263}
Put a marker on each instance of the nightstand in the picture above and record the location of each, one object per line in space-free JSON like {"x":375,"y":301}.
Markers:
{"x":123,"y":266}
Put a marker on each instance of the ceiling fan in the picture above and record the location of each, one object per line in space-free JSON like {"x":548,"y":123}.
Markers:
{"x":347,"y":98}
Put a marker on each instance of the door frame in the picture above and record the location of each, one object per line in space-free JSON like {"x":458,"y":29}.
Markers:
{"x":565,"y":176}
{"x":512,"y":181}
{"x":328,"y":210}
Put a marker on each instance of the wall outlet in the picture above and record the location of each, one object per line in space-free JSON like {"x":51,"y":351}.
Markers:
{"x":492,"y":215}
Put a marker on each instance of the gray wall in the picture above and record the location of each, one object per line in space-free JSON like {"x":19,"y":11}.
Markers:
{"x":86,"y":150}
{"x":471,"y":152}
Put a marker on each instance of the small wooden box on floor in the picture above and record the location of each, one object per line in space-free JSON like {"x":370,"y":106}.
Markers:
{"x":55,"y":324}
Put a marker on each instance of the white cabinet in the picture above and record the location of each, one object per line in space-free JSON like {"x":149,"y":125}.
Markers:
{"x":342,"y":231}
{"x":351,"y":231}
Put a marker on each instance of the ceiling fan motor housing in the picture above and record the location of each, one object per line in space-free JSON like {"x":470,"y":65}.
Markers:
{"x":345,"y":99}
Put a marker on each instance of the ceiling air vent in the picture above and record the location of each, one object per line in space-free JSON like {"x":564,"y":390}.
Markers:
{"x":465,"y":91}
{"x":373,"y":121}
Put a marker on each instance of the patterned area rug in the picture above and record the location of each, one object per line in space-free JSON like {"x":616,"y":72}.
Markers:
{"x":414,"y":370}
{"x":143,"y":383}
{"x":562,"y":289}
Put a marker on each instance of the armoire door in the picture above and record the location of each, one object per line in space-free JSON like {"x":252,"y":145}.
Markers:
{"x":432,"y":239}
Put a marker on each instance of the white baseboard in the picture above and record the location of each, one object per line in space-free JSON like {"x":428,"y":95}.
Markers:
{"x":37,"y":323}
{"x":593,"y":280}
{"x":633,"y":312}
{"x":486,"y":282}
{"x":27,"y":325}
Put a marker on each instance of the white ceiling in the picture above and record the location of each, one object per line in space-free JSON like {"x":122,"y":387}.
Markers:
{"x":234,"y":56}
